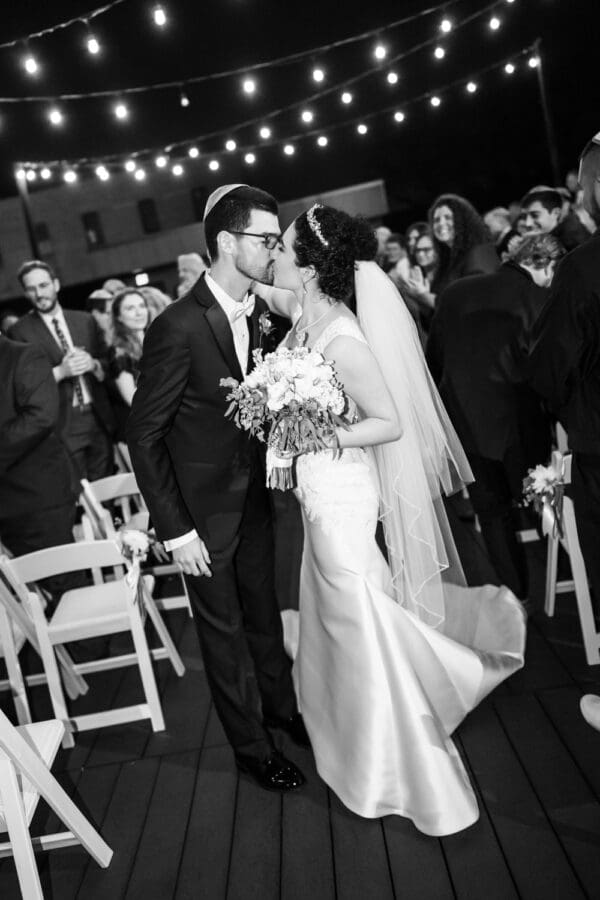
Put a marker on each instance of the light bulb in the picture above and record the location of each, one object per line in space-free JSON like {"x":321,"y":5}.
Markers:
{"x":318,"y":75}
{"x":177,"y":170}
{"x":289,"y":150}
{"x":322,"y":141}
{"x":130,"y":165}
{"x":55,"y":116}
{"x":435,"y":101}
{"x":31,"y":64}
{"x":362,"y":129}
{"x":265,"y":133}
{"x":533,"y":62}
{"x":446,"y":26}
{"x":160,"y":162}
{"x":230,"y":145}
{"x":159,"y":15}
{"x":249,"y":85}
{"x":139,"y":174}
{"x":471,"y":87}
{"x":21,"y":173}
{"x":509,"y":68}
{"x":346,"y":97}
{"x":307,"y":116}
{"x":31,"y":175}
{"x":102,"y":173}
{"x":399,"y":116}
{"x":70,"y":176}
{"x":495,"y":23}
{"x":193,"y":152}
{"x":93,"y":45}
{"x":121,"y":111}
{"x":380,"y":52}
{"x":213,"y":165}
{"x":392,"y":78}
{"x":439,"y":53}
{"x":46,"y":173}
{"x":250,"y":158}
{"x":184,"y":100}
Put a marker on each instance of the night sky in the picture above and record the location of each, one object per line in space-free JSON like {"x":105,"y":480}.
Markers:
{"x":489,"y":146}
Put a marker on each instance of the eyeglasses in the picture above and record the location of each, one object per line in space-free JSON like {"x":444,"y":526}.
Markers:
{"x":423,"y":249}
{"x":270,"y":239}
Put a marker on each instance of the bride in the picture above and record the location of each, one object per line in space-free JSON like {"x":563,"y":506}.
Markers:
{"x":388,"y":658}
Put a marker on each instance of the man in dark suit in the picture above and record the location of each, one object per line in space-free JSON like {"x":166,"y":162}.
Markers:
{"x":204,"y":481}
{"x":477,"y":353}
{"x":565,"y":366}
{"x":75,"y":348}
{"x":37,"y":503}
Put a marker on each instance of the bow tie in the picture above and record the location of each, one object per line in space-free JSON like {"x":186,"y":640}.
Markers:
{"x":245,"y":308}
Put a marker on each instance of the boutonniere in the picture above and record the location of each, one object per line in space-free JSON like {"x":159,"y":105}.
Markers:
{"x":265,"y":326}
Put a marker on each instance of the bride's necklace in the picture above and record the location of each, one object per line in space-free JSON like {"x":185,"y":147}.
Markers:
{"x":301,"y":334}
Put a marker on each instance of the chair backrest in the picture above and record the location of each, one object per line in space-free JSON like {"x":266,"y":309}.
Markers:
{"x":114,"y":487}
{"x":562,"y":438}
{"x":58,"y":560}
{"x":121,"y":489}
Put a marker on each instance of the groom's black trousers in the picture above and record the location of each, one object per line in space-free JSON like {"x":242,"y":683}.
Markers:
{"x":239,"y":625}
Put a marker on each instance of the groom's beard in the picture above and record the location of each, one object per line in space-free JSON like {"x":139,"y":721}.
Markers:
{"x":264,"y":274}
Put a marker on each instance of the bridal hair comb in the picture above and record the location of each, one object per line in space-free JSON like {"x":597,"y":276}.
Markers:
{"x":314,"y":224}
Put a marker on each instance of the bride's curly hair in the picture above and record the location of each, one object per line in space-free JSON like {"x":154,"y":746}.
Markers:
{"x":349,"y":239}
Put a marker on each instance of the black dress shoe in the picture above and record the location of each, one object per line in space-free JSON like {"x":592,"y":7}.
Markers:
{"x":294,"y":726}
{"x":276,"y":773}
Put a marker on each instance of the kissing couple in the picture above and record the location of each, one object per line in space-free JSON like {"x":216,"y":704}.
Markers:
{"x":389,"y":655}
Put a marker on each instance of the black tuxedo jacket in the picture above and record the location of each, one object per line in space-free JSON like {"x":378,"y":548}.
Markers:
{"x":192,"y":464}
{"x":478,"y":354}
{"x":84,"y":333}
{"x":35,"y":472}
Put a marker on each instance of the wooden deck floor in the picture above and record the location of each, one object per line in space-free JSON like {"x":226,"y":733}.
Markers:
{"x":183,"y":825}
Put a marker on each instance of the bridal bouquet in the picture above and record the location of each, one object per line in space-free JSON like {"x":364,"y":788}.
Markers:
{"x":544,"y":488}
{"x":293,"y":400}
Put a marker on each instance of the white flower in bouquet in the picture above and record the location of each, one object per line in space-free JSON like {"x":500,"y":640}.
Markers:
{"x":543,"y":479}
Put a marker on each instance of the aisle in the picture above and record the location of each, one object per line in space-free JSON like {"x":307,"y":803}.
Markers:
{"x":183,"y":825}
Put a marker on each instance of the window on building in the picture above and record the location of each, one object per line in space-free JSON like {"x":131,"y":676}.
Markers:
{"x":94,"y":234}
{"x":199,"y":198}
{"x":148,"y":216}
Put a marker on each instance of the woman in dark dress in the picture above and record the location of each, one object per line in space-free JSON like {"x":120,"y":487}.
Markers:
{"x":461,"y":241}
{"x":130,"y":319}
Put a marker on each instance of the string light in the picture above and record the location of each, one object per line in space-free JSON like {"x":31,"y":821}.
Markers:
{"x":102,"y":173}
{"x":250,"y":159}
{"x":193,"y":152}
{"x":31,"y":175}
{"x":161,"y":162}
{"x":362,"y":129}
{"x":249,"y":86}
{"x":439,"y":53}
{"x":230,"y":145}
{"x":159,"y":15}
{"x":265,"y":133}
{"x":307,"y":116}
{"x":392,"y":78}
{"x":55,"y":117}
{"x":380,"y":52}
{"x":46,"y":174}
{"x":318,"y":75}
{"x":435,"y":101}
{"x":214,"y":165}
{"x":21,"y":174}
{"x":346,"y":97}
{"x":399,"y":116}
{"x":177,"y":170}
{"x":289,"y":149}
{"x":139,"y":174}
{"x":495,"y":23}
{"x":509,"y":68}
{"x":471,"y":87}
{"x":130,"y":165}
{"x":70,"y":176}
{"x":322,"y":141}
{"x":30,"y":64}
{"x":533,"y":62}
{"x":446,"y":26}
{"x":121,"y":111}
{"x":92,"y":44}
{"x":184,"y":100}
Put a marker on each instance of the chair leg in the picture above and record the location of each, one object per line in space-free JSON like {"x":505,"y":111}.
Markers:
{"x":146,"y":670}
{"x":162,"y":631}
{"x":57,"y":697}
{"x":18,"y":832}
{"x":551,"y":569}
{"x":591,"y":639}
{"x":13,"y":668}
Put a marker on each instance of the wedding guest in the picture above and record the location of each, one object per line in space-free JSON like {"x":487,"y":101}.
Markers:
{"x":382,"y":233}
{"x":477,"y":353}
{"x":413,"y":233}
{"x":98,"y":304}
{"x":498,"y":223}
{"x":190,"y":267}
{"x":565,"y":365}
{"x":113,"y":286}
{"x":418,"y":285}
{"x":461,"y":241}
{"x":130,"y":319}
{"x":73,"y":343}
{"x":37,"y":501}
{"x":542,"y":212}
{"x":395,"y":252}
{"x":156,"y":301}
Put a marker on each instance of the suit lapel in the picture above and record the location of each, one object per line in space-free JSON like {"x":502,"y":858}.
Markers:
{"x":42,"y":334}
{"x":219,"y":325}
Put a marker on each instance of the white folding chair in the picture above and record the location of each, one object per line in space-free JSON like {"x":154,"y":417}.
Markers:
{"x":12,"y":641}
{"x":122,"y":457}
{"x":579,"y":582}
{"x":123,"y":490}
{"x":95,"y":611}
{"x":26,"y":754}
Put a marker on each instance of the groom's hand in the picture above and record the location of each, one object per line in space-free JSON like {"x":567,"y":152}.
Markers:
{"x":193,"y":558}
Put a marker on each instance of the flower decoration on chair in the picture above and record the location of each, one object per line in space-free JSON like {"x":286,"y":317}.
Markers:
{"x":544,"y":489}
{"x":293,"y":400}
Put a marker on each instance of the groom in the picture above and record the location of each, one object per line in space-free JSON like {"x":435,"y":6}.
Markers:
{"x":204,"y":482}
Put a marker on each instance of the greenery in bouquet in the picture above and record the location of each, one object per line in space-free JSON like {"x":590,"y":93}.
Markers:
{"x":293,"y":400}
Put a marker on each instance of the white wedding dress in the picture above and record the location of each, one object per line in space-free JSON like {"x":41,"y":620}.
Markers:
{"x":380,"y":690}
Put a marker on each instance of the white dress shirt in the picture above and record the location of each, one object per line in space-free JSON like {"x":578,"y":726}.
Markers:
{"x":241,"y":342}
{"x":47,"y":318}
